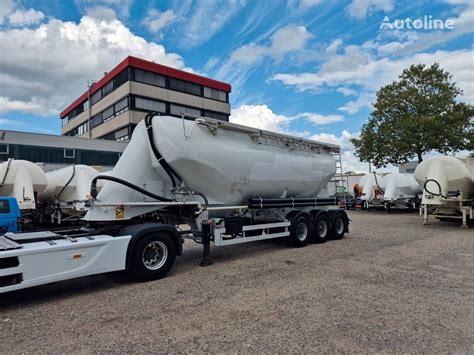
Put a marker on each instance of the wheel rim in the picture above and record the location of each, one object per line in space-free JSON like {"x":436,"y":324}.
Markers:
{"x":339,"y":226}
{"x":322,"y":229}
{"x":155,"y":255}
{"x":302,"y":231}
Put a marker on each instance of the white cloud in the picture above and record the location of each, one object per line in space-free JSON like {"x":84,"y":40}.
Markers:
{"x":66,"y":55}
{"x":303,"y":4}
{"x":349,"y":161}
{"x":8,"y":122}
{"x":26,"y":17}
{"x":242,"y":62}
{"x":101,"y":13}
{"x":318,"y":119}
{"x":358,"y":68}
{"x":6,"y":105}
{"x":201,"y":20}
{"x":285,"y":40}
{"x":156,"y":20}
{"x":6,"y":8}
{"x":260,"y":116}
{"x":334,"y":46}
{"x":364,"y":100}
{"x":346,"y":91}
{"x":359,"y":9}
{"x":121,"y":7}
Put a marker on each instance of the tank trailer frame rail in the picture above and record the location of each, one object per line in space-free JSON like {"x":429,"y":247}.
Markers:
{"x":465,"y":207}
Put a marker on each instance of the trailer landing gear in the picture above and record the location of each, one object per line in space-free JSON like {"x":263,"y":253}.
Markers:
{"x":206,"y":242}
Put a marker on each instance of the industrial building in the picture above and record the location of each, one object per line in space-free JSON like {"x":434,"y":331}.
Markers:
{"x":54,"y":152}
{"x":122,"y":98}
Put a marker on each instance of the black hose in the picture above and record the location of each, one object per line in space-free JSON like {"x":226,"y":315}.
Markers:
{"x":125,"y":183}
{"x":68,"y":182}
{"x":164,"y":164}
{"x":432,"y":193}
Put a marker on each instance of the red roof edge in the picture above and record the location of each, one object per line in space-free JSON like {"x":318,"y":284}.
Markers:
{"x":153,"y":67}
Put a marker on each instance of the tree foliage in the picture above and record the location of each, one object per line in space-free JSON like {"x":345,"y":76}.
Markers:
{"x":415,"y":115}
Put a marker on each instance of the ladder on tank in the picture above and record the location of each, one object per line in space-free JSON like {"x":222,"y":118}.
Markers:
{"x":338,"y":178}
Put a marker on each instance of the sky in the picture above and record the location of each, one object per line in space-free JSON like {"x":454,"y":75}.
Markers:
{"x":305,"y":67}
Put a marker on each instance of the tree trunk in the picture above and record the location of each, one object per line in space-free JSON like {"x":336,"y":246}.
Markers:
{"x":420,"y":158}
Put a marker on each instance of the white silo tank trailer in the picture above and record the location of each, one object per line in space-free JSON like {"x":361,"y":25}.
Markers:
{"x":401,"y":191}
{"x":23,"y":180}
{"x":448,"y":188}
{"x":229,"y":183}
{"x":66,"y":195}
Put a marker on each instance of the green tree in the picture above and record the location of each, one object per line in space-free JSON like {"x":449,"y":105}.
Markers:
{"x":416,"y":115}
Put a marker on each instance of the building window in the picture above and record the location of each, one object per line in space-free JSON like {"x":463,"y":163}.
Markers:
{"x":96,"y":97}
{"x":69,"y":153}
{"x":108,"y":88}
{"x":96,"y":120}
{"x":121,"y":78}
{"x":4,"y":149}
{"x":83,"y":128}
{"x":178,"y":110}
{"x":216,"y":115}
{"x":178,"y":85}
{"x":107,"y":114}
{"x":150,"y":78}
{"x":150,"y":105}
{"x":121,"y":106}
{"x":215,"y":94}
{"x":120,"y":135}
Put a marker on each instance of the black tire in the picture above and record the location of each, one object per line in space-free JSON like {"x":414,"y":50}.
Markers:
{"x":321,"y":228}
{"x":300,"y":230}
{"x":339,"y":226}
{"x":144,"y":265}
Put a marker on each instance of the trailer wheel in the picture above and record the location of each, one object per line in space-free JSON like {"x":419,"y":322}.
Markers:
{"x":300,"y":230}
{"x":320,"y":228}
{"x":153,"y":257}
{"x":339,"y":226}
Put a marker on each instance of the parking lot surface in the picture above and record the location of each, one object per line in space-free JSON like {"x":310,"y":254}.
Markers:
{"x":391,"y":285}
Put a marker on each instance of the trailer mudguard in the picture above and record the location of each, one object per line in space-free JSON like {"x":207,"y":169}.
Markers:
{"x":139,"y":230}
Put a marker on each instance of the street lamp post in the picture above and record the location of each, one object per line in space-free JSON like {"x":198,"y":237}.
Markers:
{"x":90,"y":84}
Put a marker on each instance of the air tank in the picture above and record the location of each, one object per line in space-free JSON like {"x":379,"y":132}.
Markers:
{"x":23,"y":180}
{"x":399,"y":187}
{"x":226,"y":162}
{"x":445,"y":177}
{"x":69,"y":185}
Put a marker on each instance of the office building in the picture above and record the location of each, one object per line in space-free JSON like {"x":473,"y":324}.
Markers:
{"x":123,"y":97}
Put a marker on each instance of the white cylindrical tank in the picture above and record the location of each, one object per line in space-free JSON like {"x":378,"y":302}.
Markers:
{"x":373,"y":187}
{"x":400,"y":186}
{"x":69,"y":185}
{"x":23,"y":180}
{"x":442,"y":177}
{"x":228,"y":163}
